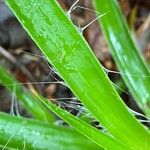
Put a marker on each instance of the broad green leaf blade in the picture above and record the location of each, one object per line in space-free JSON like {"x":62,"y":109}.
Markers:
{"x":21,"y":133}
{"x":102,"y":139}
{"x":128,"y":59}
{"x":64,"y":47}
{"x":33,"y":105}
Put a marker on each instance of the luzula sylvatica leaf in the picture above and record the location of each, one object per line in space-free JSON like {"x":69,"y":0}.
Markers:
{"x":20,"y":133}
{"x":128,"y":59}
{"x":99,"y":137}
{"x":71,"y":56}
{"x":32,"y":104}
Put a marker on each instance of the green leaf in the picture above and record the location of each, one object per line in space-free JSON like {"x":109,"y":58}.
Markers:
{"x":64,"y":47}
{"x":21,"y":133}
{"x":33,"y":105}
{"x":102,"y":139}
{"x":127,"y":57}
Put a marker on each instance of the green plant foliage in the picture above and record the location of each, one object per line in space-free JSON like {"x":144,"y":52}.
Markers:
{"x":64,"y":47}
{"x":128,"y":59}
{"x":32,"y":104}
{"x":21,"y":133}
{"x":100,"y":138}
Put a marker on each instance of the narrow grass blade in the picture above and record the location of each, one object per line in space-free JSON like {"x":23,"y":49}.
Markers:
{"x":64,"y":47}
{"x":21,"y":133}
{"x":120,"y":86}
{"x":128,"y":59}
{"x":102,"y":139}
{"x":33,"y":105}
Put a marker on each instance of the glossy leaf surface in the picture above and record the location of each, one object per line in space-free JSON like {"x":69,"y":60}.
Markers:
{"x":21,"y":133}
{"x":128,"y":59}
{"x":64,"y":47}
{"x":99,"y":137}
